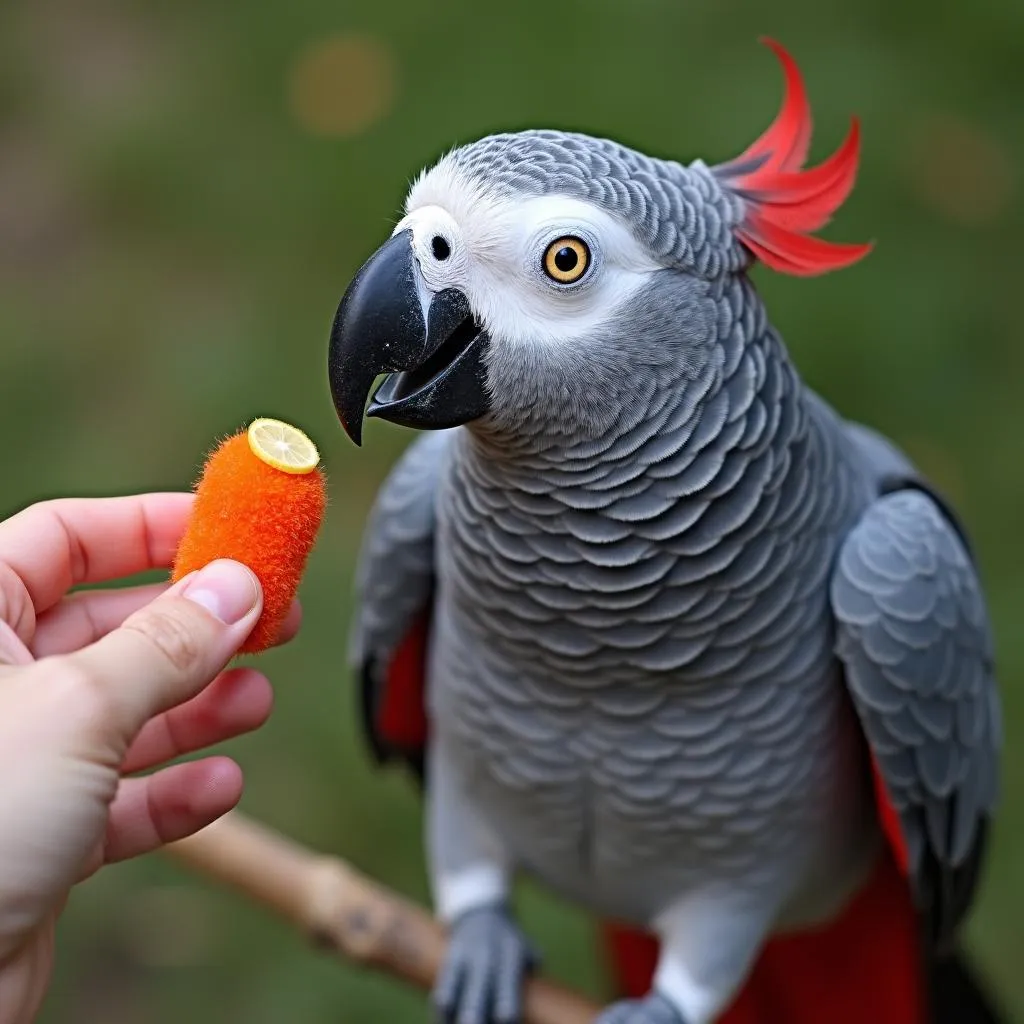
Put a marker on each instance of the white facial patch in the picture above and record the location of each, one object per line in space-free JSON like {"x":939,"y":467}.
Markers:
{"x":492,"y":246}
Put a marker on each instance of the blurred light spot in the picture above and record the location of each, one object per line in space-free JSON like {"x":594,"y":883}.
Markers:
{"x":961,"y":171}
{"x":937,"y":465}
{"x":168,"y":926}
{"x":342,"y":85}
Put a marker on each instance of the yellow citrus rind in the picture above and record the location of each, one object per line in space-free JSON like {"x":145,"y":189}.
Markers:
{"x":282,"y":446}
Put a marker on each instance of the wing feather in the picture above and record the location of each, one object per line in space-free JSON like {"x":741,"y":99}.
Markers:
{"x":394,"y":596}
{"x":914,"y":637}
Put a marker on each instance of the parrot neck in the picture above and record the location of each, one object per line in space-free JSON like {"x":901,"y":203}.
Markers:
{"x":619,"y":400}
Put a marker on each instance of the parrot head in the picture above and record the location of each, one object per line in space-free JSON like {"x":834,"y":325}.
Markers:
{"x":547,"y":274}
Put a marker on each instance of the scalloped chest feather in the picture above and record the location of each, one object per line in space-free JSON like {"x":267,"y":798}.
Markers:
{"x":635,"y":659}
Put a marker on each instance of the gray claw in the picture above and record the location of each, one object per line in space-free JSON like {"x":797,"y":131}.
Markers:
{"x":481,"y":980}
{"x":655,"y":1009}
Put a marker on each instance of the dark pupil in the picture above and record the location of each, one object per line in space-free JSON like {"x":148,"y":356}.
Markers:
{"x":442,"y":250}
{"x":566,"y":259}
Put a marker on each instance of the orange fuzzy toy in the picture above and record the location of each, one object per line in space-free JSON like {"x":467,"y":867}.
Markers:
{"x":265,"y":517}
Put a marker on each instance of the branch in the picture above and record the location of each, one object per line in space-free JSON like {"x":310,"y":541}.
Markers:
{"x":342,"y":910}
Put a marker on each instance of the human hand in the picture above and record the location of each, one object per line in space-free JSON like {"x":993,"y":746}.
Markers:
{"x":97,"y":685}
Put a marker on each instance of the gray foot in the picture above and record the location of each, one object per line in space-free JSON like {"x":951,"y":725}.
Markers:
{"x":481,"y":981}
{"x":655,"y":1009}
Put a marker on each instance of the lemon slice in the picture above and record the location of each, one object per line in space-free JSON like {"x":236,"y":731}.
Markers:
{"x":282,"y":446}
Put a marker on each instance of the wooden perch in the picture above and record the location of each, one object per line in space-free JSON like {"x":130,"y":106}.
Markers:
{"x":342,"y":910}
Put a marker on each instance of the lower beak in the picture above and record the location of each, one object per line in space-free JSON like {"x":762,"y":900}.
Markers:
{"x":436,"y":374}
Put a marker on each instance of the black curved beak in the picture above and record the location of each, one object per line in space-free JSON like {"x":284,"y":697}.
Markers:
{"x":436,"y":374}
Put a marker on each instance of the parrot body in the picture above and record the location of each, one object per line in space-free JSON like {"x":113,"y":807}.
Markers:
{"x":650,"y":620}
{"x":658,"y":751}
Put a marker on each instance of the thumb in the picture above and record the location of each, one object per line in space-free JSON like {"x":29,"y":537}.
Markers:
{"x":171,"y":649}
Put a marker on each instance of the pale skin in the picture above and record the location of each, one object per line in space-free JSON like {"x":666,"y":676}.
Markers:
{"x":98,"y":686}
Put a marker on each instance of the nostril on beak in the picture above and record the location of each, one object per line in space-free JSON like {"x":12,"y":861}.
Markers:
{"x":440,"y":247}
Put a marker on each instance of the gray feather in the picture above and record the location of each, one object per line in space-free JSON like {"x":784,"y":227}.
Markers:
{"x":682,"y":214}
{"x":644,"y":561}
{"x":395,"y":575}
{"x":395,"y":572}
{"x":914,"y":637}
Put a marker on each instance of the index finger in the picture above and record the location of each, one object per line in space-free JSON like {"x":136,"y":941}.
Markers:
{"x":56,"y":545}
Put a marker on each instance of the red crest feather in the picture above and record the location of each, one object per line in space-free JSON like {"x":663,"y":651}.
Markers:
{"x":784,"y":203}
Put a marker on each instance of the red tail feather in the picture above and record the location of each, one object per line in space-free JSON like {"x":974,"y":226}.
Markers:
{"x":862,"y":966}
{"x":788,"y":138}
{"x":889,"y":820}
{"x":402,"y":716}
{"x":633,"y":955}
{"x":793,"y":252}
{"x":805,"y":200}
{"x":784,"y":202}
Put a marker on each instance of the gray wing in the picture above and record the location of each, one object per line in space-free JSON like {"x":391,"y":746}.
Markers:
{"x":394,"y":591}
{"x":914,"y":636}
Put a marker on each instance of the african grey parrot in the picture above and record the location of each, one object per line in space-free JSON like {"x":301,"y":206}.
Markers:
{"x":649,"y":618}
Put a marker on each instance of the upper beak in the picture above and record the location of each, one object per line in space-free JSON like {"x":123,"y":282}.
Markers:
{"x":437,"y":377}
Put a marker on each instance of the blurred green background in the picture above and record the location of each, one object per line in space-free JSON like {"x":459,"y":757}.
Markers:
{"x":185,"y":191}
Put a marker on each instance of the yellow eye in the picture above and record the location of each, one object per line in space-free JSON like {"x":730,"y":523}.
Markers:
{"x":566,"y":259}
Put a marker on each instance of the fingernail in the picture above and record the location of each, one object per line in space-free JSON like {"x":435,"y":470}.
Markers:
{"x":227,"y":590}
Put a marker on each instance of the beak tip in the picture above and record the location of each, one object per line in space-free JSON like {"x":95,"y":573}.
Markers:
{"x":378,"y":327}
{"x":354,"y":429}
{"x":349,"y":410}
